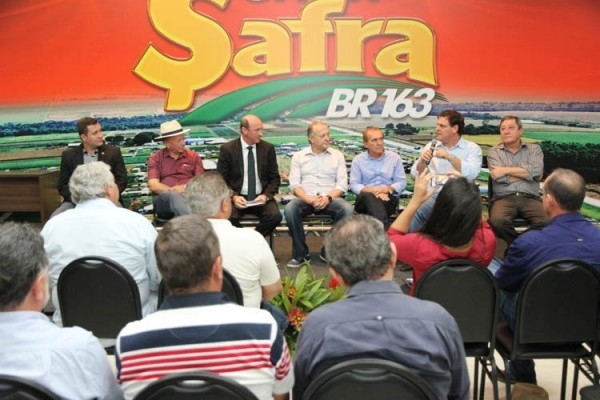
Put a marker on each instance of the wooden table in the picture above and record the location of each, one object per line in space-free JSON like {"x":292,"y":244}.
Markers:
{"x":29,"y":191}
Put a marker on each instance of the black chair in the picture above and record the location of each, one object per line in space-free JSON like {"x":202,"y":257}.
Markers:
{"x":368,"y":378}
{"x":470,"y":294}
{"x":99,"y":295}
{"x":195,"y":385}
{"x":231,"y":288}
{"x":556,"y":318}
{"x":12,"y":387}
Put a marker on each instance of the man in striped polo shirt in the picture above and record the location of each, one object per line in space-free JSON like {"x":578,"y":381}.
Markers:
{"x":196,"y":328}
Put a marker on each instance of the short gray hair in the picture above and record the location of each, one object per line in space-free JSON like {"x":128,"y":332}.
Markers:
{"x":204,"y":193}
{"x":22,"y":259}
{"x":89,"y":180}
{"x":358,"y":249}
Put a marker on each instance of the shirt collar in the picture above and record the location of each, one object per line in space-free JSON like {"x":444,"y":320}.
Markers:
{"x":194,"y":300}
{"x":374,"y":287}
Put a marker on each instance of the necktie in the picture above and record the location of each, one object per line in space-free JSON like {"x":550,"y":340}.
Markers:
{"x":251,"y":175}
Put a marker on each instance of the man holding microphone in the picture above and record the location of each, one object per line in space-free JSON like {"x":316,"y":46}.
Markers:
{"x":447,"y":155}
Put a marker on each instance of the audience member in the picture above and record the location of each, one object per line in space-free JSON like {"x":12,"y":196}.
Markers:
{"x":318,"y":179}
{"x":70,"y":362}
{"x":568,"y":235}
{"x":516,"y":168}
{"x":377,"y":178}
{"x":249,"y":166}
{"x":245,"y":252}
{"x":92,"y":148}
{"x":454,"y":229}
{"x":98,"y":227}
{"x":377,"y":319}
{"x":197,"y":327}
{"x":170,"y":169}
{"x":449,"y":154}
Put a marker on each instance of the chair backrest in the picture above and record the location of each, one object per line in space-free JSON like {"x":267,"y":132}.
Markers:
{"x":468,"y":291}
{"x":368,"y":378}
{"x":195,"y":385}
{"x":12,"y":387}
{"x":559,"y":303}
{"x":98,"y":294}
{"x":231,"y":288}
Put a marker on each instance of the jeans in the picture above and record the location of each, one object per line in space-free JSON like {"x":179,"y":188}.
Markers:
{"x":520,"y":370}
{"x":297,"y":209}
{"x":169,"y":204}
{"x":278,"y":315}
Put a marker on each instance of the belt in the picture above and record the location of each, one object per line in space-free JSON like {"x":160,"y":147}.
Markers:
{"x":523,"y":194}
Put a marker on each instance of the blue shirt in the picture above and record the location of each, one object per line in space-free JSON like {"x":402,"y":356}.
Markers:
{"x":378,"y":320}
{"x":566,"y":236}
{"x":388,"y":170}
{"x":470,"y":158}
{"x":68,"y":361}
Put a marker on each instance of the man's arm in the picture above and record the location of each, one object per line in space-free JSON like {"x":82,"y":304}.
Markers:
{"x":66,"y":170}
{"x":117,"y":166}
{"x":471,"y":165}
{"x":272,"y":173}
{"x":270,"y":291}
{"x":225,"y":167}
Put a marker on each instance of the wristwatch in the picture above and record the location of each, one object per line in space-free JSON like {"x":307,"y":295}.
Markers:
{"x":329,"y":198}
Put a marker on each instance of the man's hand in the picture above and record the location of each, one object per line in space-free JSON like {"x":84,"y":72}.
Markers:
{"x":239,"y":202}
{"x":319,"y":202}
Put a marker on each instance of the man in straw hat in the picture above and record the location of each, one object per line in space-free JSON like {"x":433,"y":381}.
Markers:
{"x":170,"y":169}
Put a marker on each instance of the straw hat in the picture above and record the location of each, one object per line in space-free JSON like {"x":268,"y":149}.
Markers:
{"x":169,"y":129}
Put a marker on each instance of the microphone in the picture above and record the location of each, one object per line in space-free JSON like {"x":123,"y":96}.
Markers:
{"x":432,"y":148}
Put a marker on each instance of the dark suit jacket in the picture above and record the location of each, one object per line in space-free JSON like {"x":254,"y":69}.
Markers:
{"x":231,"y":166}
{"x":73,"y":157}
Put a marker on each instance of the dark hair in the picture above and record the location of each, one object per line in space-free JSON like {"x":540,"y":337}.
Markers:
{"x":358,"y":248}
{"x":454,"y":118}
{"x":456,"y":213}
{"x":567,"y":187}
{"x":22,"y":258}
{"x":83,"y":123}
{"x":186,"y":248}
{"x":509,"y":117}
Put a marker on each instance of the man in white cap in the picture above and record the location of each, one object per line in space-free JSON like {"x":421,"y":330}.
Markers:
{"x":170,"y":169}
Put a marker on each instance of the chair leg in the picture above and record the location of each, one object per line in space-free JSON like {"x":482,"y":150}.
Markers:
{"x":507,"y":378}
{"x":493,"y":377}
{"x":476,"y":377}
{"x":563,"y":381}
{"x":575,"y":378}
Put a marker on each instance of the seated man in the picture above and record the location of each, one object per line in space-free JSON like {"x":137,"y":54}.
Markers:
{"x":70,"y":362}
{"x":98,"y":227}
{"x":377,"y":319}
{"x":516,"y":168}
{"x":377,"y":178}
{"x":448,"y":154}
{"x":245,"y":252}
{"x":568,"y":235}
{"x":318,"y":179}
{"x":92,"y":148}
{"x":170,"y":169}
{"x":197,"y":327}
{"x":249,"y":166}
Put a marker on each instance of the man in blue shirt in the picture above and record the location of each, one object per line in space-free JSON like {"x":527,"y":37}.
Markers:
{"x":449,"y":154}
{"x":69,"y":362}
{"x":377,"y":178}
{"x":377,"y":319}
{"x":568,"y":235}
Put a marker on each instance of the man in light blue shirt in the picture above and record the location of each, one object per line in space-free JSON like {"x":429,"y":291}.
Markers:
{"x":446,"y":156}
{"x":70,"y":362}
{"x":319,"y":179}
{"x":98,"y":227}
{"x":377,"y":178}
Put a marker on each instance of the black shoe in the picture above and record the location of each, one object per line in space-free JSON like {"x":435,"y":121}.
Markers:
{"x":502,"y":376}
{"x":400,"y":266}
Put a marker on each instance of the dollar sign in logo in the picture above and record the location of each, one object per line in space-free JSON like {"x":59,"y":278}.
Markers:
{"x":208,"y":43}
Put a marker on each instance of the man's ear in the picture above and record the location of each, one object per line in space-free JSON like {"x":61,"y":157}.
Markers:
{"x":217,"y":271}
{"x":337,"y":276}
{"x":393,"y":256}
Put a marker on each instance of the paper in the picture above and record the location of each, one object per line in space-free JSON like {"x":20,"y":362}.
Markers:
{"x":253,"y":203}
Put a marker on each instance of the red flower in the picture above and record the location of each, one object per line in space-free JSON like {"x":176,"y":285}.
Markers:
{"x":296,"y":317}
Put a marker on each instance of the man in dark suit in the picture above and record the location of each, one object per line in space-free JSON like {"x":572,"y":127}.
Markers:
{"x":249,"y":166}
{"x":92,"y":148}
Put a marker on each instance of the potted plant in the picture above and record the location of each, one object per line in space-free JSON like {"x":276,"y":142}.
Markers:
{"x":300,"y":295}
